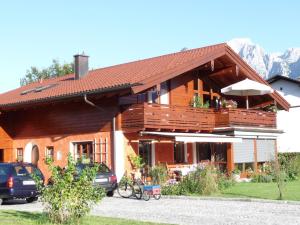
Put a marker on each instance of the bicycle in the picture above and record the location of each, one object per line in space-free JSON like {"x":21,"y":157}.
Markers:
{"x":130,"y":187}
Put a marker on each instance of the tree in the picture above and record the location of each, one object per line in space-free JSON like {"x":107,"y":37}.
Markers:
{"x":55,"y":70}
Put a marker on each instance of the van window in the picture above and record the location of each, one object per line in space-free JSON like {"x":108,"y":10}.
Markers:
{"x":34,"y":170}
{"x":20,"y":171}
{"x":4,"y":170}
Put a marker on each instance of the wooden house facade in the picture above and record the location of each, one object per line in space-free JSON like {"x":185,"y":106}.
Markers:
{"x":146,"y":107}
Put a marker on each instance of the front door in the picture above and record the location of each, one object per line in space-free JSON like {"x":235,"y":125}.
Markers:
{"x":145,"y":152}
{"x":1,"y":155}
{"x":35,"y":155}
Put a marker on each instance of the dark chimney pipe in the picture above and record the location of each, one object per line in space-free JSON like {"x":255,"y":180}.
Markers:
{"x":81,"y":64}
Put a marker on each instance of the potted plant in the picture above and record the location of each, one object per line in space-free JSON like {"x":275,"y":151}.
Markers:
{"x":197,"y":102}
{"x":137,"y":164}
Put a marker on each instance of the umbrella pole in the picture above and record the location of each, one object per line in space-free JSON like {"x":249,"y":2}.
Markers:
{"x":247,"y":102}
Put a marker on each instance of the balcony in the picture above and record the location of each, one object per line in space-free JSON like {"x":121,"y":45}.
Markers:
{"x":245,"y":118}
{"x":184,"y":118}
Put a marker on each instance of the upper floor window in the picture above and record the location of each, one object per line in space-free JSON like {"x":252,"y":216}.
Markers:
{"x":152,"y":96}
{"x":164,"y":93}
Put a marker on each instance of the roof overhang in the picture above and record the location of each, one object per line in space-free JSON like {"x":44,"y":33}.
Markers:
{"x":196,"y":137}
{"x":226,"y":50}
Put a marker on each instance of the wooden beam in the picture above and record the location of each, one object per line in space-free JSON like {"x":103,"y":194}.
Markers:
{"x":212,"y":65}
{"x":255,"y":155}
{"x":230,"y":158}
{"x":237,"y":70}
{"x":262,"y":105}
{"x":223,"y":71}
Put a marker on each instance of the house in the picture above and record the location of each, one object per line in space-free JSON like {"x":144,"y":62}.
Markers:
{"x":288,"y":121}
{"x":144,"y":107}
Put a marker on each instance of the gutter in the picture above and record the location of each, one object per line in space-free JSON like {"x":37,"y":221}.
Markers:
{"x":68,"y":96}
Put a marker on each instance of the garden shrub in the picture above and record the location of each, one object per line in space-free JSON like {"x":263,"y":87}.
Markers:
{"x":225,"y":181}
{"x":209,"y":181}
{"x":70,"y":196}
{"x":173,"y":189}
{"x":262,"y":178}
{"x":159,"y":174}
{"x":290,"y":163}
{"x":205,"y":181}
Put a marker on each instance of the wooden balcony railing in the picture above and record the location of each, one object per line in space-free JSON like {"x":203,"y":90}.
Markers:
{"x":180,"y":118}
{"x":245,"y":117}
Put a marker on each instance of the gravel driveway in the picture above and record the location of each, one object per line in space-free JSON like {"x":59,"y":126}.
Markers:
{"x":190,"y":211}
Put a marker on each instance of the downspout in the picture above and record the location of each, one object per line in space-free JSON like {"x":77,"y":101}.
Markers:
{"x":113,"y":136}
{"x":91,"y":103}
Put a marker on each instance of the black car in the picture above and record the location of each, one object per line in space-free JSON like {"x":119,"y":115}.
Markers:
{"x":105,"y":177}
{"x":16,"y":181}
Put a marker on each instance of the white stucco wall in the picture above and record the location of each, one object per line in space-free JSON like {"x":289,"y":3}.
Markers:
{"x":289,"y":122}
{"x":119,"y":154}
{"x":289,"y":90}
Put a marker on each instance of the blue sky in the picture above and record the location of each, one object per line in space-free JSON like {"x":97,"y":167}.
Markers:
{"x":32,"y":33}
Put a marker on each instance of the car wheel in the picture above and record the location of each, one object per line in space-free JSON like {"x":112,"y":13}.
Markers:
{"x":31,"y":199}
{"x":110,"y":194}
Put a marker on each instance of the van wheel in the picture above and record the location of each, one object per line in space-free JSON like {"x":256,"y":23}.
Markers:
{"x":31,"y":199}
{"x":110,"y":194}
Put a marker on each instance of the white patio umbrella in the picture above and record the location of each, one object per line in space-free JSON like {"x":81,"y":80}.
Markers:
{"x":247,"y":88}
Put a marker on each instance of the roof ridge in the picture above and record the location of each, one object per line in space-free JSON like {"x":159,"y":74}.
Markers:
{"x":139,"y":60}
{"x":160,"y":56}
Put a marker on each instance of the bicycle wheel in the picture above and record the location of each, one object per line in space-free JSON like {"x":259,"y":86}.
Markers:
{"x":138,"y":192}
{"x":146,"y":196}
{"x":157,"y":197}
{"x":125,"y":190}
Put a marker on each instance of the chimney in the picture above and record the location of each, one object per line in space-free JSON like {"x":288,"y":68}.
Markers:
{"x":81,"y":64}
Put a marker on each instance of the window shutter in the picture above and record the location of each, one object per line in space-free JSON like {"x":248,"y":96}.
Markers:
{"x":265,"y":150}
{"x":244,"y":152}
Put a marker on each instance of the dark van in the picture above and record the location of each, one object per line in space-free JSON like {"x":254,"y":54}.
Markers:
{"x":16,"y":181}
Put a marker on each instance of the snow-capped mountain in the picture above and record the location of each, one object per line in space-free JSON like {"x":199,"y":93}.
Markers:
{"x":268,"y":64}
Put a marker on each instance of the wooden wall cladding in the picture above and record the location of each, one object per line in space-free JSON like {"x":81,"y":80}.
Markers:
{"x":60,"y":119}
{"x":6,"y":144}
{"x":182,"y":89}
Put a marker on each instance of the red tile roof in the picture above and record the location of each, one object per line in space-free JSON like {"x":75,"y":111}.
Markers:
{"x":118,"y":76}
{"x":137,"y":75}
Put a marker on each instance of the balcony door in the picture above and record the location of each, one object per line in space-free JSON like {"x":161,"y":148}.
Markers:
{"x":164,"y":93}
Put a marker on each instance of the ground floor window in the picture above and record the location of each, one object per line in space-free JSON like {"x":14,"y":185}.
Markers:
{"x":145,"y":152}
{"x":84,"y":151}
{"x":50,"y":152}
{"x":215,"y":153}
{"x":245,"y":167}
{"x":203,"y":152}
{"x":20,"y":154}
{"x":179,"y":152}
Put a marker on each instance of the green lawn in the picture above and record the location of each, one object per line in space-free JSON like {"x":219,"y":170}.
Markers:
{"x":264,"y":190}
{"x":28,"y":218}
